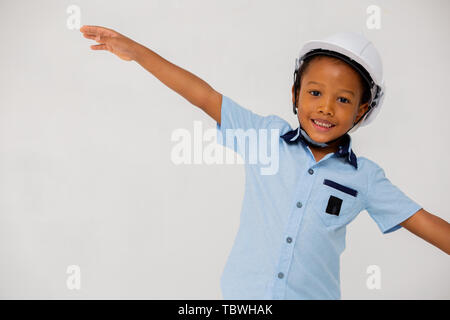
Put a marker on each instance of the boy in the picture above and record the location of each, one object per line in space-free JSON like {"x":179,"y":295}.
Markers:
{"x":293,"y":223}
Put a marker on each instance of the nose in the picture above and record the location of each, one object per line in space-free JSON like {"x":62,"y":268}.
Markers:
{"x":326,"y":106}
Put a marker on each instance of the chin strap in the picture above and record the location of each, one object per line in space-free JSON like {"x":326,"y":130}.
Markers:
{"x":317,"y":144}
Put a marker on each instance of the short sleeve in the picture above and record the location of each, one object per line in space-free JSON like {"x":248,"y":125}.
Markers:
{"x":239,"y":126}
{"x":387,"y":205}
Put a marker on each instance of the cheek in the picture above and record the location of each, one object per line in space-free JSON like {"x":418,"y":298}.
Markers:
{"x":353,"y":115}
{"x":304,"y":102}
{"x":303,"y":117}
{"x":347,"y":118}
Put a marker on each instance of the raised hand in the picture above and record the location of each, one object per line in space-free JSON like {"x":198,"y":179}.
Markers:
{"x":110,"y":40}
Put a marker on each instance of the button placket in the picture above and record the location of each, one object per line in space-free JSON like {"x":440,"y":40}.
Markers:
{"x":295,"y":218}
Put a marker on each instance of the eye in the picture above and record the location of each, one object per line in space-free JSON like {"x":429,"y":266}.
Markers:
{"x":344,"y":100}
{"x":314,"y":92}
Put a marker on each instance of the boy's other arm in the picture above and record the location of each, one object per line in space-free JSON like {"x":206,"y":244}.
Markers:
{"x":429,"y":227}
{"x":188,"y":85}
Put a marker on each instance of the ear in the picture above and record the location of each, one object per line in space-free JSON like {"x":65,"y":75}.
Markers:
{"x":361,"y":110}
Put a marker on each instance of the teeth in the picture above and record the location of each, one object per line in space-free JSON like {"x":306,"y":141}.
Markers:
{"x":322,"y":124}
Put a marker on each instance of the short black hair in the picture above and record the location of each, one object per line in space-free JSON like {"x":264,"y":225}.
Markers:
{"x":304,"y":67}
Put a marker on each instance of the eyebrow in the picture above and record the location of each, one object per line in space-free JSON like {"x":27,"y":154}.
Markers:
{"x":318,"y":83}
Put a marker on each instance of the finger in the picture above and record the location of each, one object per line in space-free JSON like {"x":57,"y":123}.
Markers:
{"x":90,"y":29}
{"x":97,"y":30}
{"x":98,"y":47}
{"x":89,"y":36}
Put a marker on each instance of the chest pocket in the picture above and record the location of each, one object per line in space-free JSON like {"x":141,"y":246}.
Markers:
{"x":335,"y":203}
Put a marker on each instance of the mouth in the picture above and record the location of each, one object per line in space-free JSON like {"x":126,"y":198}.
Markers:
{"x":322,"y":126}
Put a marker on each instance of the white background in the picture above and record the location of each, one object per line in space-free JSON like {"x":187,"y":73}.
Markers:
{"x":86,"y":176}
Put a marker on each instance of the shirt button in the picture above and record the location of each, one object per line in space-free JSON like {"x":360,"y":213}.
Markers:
{"x":288,"y":239}
{"x":299,"y":204}
{"x":280,"y":275}
{"x":310,"y":171}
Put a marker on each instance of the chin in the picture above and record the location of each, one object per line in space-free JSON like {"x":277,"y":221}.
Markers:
{"x":321,"y":139}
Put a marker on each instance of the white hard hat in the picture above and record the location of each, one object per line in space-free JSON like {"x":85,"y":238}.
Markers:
{"x":359,"y":52}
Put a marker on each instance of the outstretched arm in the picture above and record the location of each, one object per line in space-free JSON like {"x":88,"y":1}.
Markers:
{"x":191,"y":87}
{"x":431,"y":228}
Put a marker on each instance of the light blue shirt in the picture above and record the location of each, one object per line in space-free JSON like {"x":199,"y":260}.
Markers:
{"x":293,"y":222}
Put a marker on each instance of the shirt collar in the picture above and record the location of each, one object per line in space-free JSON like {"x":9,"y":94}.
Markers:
{"x":344,"y":150}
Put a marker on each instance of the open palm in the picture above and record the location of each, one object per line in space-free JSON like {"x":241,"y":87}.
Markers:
{"x":110,"y":40}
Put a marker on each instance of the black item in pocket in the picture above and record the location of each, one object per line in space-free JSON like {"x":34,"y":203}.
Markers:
{"x":340,"y":187}
{"x":334,"y":205}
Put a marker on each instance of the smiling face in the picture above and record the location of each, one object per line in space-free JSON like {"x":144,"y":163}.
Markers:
{"x":329,"y":100}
